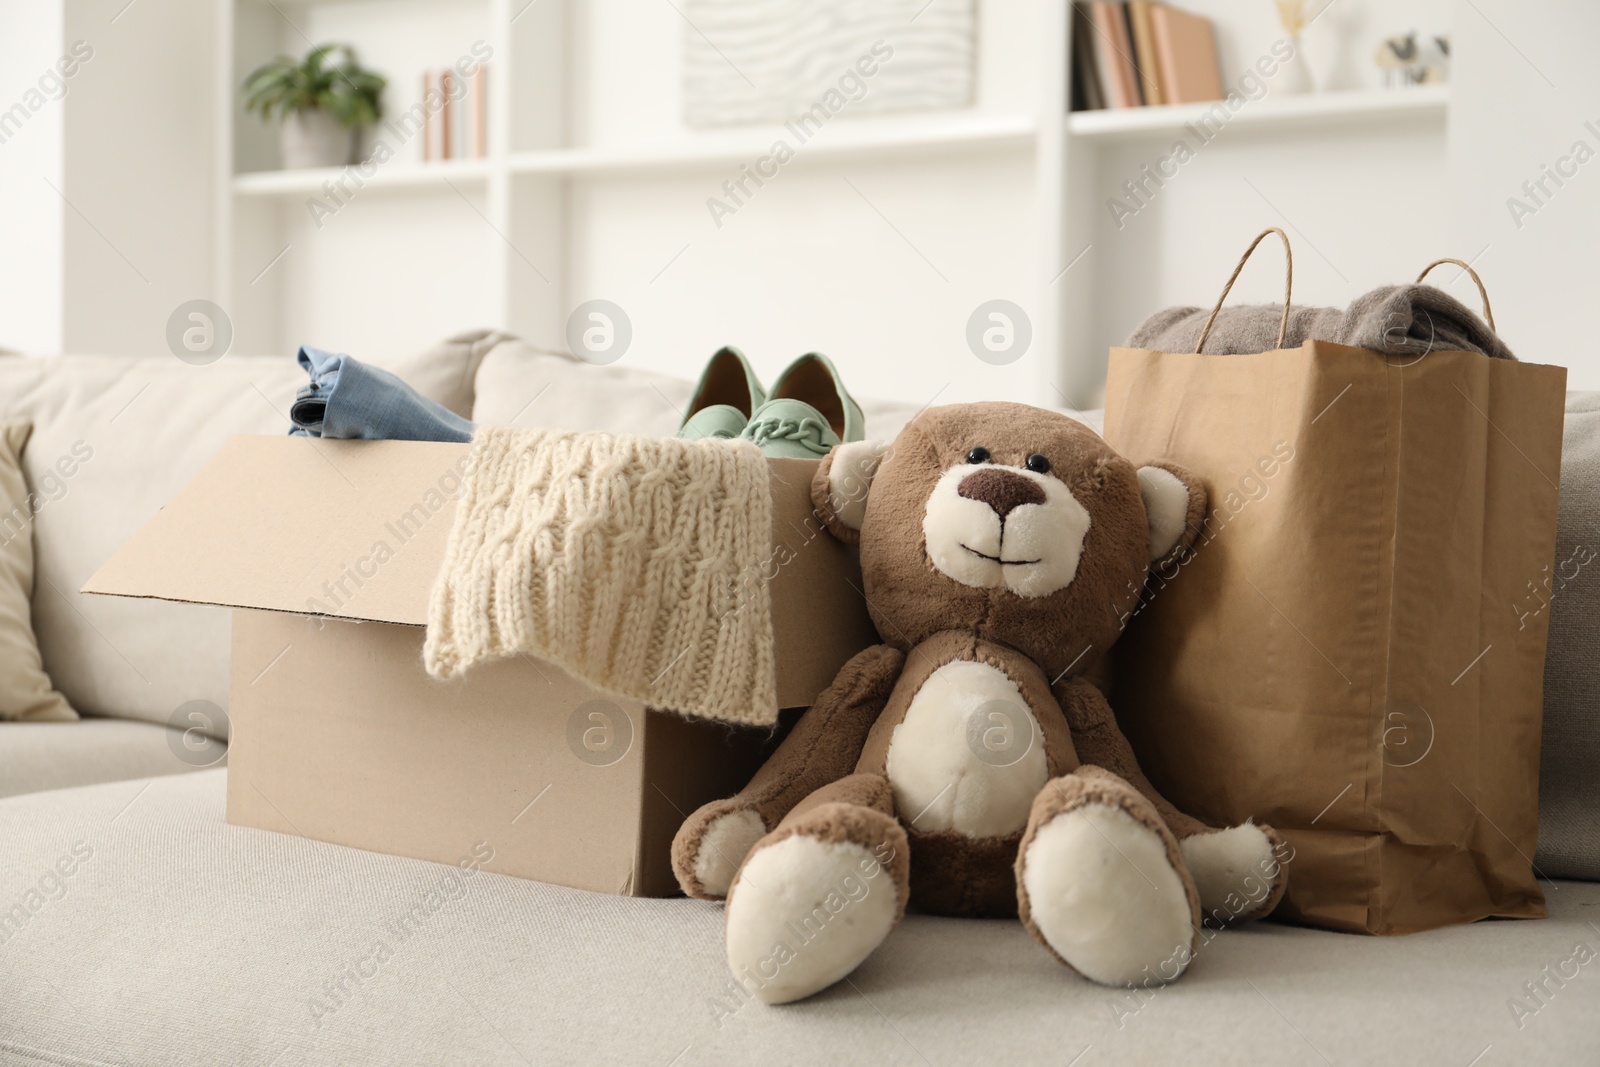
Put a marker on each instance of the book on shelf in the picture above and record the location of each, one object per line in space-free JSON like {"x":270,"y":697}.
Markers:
{"x":1112,"y":48}
{"x":1144,"y":51}
{"x":447,"y":139}
{"x":457,"y":121}
{"x":1085,"y":79}
{"x":1186,"y":47}
{"x":428,"y":124}
{"x":1141,"y":53}
{"x":478,"y":94}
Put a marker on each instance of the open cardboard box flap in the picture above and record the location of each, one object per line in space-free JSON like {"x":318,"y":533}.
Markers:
{"x":348,"y":529}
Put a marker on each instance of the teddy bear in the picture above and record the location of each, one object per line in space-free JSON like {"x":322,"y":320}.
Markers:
{"x":966,"y":765}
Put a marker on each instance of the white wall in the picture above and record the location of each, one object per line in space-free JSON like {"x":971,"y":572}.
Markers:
{"x":138,"y":172}
{"x":98,"y":262}
{"x":390,"y":274}
{"x":809,"y":263}
{"x":30,"y":268}
{"x":1523,"y":97}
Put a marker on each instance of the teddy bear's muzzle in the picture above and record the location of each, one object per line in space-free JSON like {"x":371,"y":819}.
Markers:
{"x":1004,"y":491}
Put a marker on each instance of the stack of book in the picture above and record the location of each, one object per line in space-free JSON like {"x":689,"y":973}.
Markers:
{"x":1141,"y":53}
{"x":460,"y":128}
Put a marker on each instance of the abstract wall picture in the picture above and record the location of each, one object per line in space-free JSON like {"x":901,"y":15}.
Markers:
{"x":758,"y":61}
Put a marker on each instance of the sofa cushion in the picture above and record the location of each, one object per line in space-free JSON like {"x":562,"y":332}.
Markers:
{"x":520,"y":385}
{"x":447,"y":371}
{"x":25,"y":690}
{"x":179,"y":939}
{"x":54,"y":755}
{"x":1569,"y":772}
{"x":140,"y":429}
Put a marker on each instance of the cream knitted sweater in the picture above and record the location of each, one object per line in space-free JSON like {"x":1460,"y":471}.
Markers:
{"x":634,"y":563}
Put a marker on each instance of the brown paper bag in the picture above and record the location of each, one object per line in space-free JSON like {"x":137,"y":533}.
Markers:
{"x":1354,"y":651}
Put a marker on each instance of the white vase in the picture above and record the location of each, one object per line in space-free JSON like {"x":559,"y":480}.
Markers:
{"x":1294,"y":73}
{"x":315,"y":138}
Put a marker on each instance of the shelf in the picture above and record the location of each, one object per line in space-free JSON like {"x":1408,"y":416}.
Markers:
{"x":391,"y":175}
{"x":846,"y":140}
{"x":1302,"y":110}
{"x":863,"y":141}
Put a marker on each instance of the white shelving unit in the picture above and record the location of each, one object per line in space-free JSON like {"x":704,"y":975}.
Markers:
{"x":518,"y":239}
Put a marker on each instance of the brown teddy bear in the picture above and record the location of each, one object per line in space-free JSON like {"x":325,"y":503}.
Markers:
{"x":965,"y":763}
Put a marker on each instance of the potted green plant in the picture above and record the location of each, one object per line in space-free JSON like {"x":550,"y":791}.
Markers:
{"x":323,"y":101}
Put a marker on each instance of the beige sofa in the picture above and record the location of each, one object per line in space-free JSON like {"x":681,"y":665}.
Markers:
{"x":136,"y":926}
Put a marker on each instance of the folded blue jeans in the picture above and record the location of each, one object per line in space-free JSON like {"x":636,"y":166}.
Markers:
{"x":347,"y":398}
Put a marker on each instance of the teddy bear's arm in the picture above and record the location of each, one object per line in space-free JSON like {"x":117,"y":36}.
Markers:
{"x":823,"y":748}
{"x":1100,"y":741}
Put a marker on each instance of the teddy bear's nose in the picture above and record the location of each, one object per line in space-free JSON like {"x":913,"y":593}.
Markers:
{"x":1001,"y":490}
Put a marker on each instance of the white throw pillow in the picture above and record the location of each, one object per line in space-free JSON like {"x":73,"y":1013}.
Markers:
{"x":518,"y":385}
{"x":446,"y":371}
{"x":25,"y":690}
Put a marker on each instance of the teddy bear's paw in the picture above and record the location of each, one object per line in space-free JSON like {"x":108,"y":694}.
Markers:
{"x":710,"y":846}
{"x":727,"y":840}
{"x":1100,"y":884}
{"x":1236,"y":871}
{"x":804,"y":914}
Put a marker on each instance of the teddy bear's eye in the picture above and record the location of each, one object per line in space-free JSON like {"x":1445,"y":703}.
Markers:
{"x":1037,"y":464}
{"x":978,"y":455}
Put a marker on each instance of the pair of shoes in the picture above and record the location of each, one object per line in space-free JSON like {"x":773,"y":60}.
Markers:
{"x":807,"y":412}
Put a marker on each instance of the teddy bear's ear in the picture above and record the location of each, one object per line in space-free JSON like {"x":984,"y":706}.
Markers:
{"x":839,"y":488}
{"x":1175,"y":508}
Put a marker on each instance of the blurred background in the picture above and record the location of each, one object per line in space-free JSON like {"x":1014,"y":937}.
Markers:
{"x":902,"y":185}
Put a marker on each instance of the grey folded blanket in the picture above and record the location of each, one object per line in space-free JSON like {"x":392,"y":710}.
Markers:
{"x":1397,"y":320}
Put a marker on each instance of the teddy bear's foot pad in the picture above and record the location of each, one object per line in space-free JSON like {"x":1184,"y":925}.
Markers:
{"x":803,"y":916}
{"x":1236,"y":871}
{"x":728,"y":839}
{"x":1101,"y":886}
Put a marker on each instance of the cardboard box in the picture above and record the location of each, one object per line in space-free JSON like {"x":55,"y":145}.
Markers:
{"x":329,"y":550}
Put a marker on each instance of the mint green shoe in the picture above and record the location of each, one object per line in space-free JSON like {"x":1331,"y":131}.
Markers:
{"x":728,"y":393}
{"x":807,"y":413}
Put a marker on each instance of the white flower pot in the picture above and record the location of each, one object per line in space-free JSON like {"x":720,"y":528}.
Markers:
{"x":315,"y":139}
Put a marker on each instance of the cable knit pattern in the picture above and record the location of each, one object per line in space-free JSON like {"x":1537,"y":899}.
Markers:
{"x":635,"y":563}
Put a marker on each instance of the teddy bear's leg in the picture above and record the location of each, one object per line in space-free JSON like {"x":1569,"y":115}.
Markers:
{"x":819,"y":893}
{"x":1101,"y":882}
{"x":714,"y":840}
{"x":1240,"y":872}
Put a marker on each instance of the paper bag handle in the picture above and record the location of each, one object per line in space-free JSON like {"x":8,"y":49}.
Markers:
{"x":1288,"y":287}
{"x":1488,"y":312}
